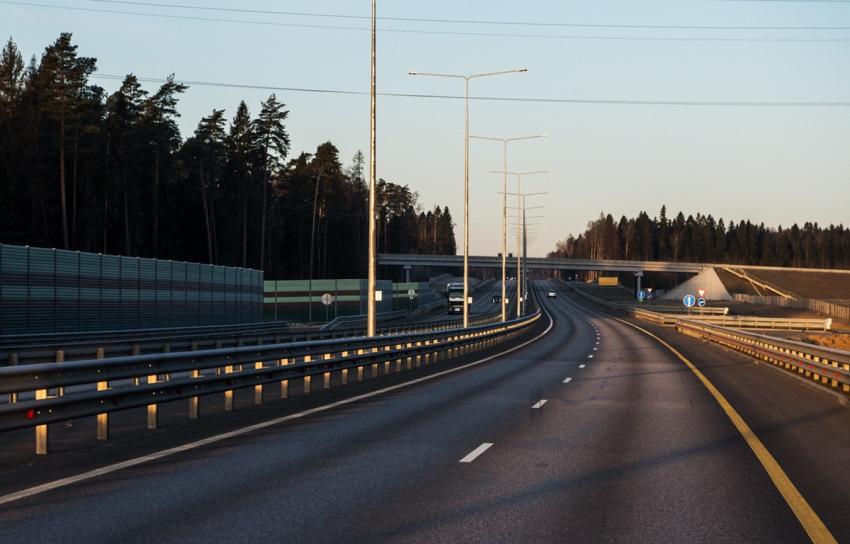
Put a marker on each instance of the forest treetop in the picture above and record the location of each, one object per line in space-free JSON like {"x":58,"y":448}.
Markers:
{"x":702,"y":239}
{"x":83,"y":170}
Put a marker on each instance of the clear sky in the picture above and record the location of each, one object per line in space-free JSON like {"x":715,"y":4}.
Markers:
{"x":689,"y":103}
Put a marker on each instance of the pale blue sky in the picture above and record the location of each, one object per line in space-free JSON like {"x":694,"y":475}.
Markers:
{"x":769,"y":164}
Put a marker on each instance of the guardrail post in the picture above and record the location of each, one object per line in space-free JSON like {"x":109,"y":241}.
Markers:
{"x":387,"y":363}
{"x":13,"y":361}
{"x":228,"y":395}
{"x":327,"y":375}
{"x":409,"y":357}
{"x":41,"y":430}
{"x":258,"y":389}
{"x":284,"y":384}
{"x":102,"y":419}
{"x":194,"y":402}
{"x":846,"y":388}
{"x":344,"y":372}
{"x":152,"y":408}
{"x":307,"y":379}
{"x":374,"y":365}
{"x":136,"y":352}
{"x":60,"y":358}
{"x":398,"y":361}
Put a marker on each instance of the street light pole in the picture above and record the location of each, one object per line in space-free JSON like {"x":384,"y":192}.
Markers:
{"x":466,"y":180}
{"x":524,"y":231}
{"x":371,"y":311}
{"x":518,"y":219}
{"x":505,"y":210}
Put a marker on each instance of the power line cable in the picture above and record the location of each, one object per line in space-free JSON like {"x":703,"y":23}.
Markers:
{"x":493,"y":98}
{"x":464,"y":21}
{"x":432,"y":32}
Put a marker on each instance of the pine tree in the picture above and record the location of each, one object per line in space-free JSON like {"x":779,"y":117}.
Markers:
{"x":63,"y":76}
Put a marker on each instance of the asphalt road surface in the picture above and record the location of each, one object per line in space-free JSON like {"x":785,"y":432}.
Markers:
{"x":595,"y":431}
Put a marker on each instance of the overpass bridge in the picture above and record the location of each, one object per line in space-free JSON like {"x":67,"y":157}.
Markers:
{"x":540,"y":263}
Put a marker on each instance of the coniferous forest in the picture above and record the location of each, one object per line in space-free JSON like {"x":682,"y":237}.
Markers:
{"x":84,"y":170}
{"x":702,"y":239}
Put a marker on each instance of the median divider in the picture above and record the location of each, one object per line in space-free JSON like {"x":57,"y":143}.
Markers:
{"x":193,"y":374}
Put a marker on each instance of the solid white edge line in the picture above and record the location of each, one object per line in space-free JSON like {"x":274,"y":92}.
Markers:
{"x":476,"y":452}
{"x":186,"y":447}
{"x":540,"y":403}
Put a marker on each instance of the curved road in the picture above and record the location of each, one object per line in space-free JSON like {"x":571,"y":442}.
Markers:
{"x":594,"y":432}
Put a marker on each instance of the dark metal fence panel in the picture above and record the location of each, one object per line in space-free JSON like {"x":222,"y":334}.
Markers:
{"x":193,"y":294}
{"x":113,"y":317}
{"x":91,"y":292}
{"x":14,"y":274}
{"x":47,"y":291}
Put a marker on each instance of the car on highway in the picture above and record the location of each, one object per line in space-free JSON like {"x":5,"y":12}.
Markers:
{"x":497,"y":298}
{"x":551,"y":294}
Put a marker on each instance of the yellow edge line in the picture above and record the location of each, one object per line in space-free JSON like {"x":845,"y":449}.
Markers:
{"x":808,"y":519}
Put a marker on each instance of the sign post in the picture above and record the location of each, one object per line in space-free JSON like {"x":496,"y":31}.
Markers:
{"x":689,"y":301}
{"x":327,"y":300}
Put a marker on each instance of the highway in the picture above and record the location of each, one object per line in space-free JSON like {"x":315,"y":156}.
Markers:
{"x":589,"y":430}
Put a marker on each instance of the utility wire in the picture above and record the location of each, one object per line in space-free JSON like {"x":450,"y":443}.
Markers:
{"x":464,"y":21}
{"x":426,"y":32}
{"x":492,"y":98}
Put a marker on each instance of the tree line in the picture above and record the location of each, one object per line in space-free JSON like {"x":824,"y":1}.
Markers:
{"x":81,"y":169}
{"x":702,"y":239}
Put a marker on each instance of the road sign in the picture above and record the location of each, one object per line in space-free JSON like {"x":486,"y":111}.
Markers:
{"x":701,"y":302}
{"x":649,"y":290}
{"x":641,"y":294}
{"x":701,"y":293}
{"x":689,"y":300}
{"x":411,"y":293}
{"x":649,"y":296}
{"x":327,"y":299}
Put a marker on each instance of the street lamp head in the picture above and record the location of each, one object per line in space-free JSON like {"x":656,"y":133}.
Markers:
{"x":413,"y":73}
{"x":522,"y":70}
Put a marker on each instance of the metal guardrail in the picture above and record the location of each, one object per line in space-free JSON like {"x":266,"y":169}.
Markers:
{"x":361,"y":319}
{"x":828,"y":367}
{"x":130,"y":382}
{"x":682,"y":311}
{"x":203,"y":331}
{"x":738,"y":322}
{"x":742,"y":322}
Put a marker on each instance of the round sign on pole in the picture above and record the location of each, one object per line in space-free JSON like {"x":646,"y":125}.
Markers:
{"x":327,"y":299}
{"x":641,"y":294}
{"x":411,"y":293}
{"x":689,"y":300}
{"x":701,"y":302}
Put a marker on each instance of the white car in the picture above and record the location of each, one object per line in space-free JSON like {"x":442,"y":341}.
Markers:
{"x":552,"y":294}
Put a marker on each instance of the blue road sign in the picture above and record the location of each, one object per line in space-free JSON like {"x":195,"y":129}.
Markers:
{"x":641,"y":294}
{"x":701,"y":302}
{"x":689,"y":300}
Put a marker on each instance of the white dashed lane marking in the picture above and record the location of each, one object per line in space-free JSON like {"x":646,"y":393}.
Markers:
{"x":476,"y":452}
{"x":540,"y":403}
